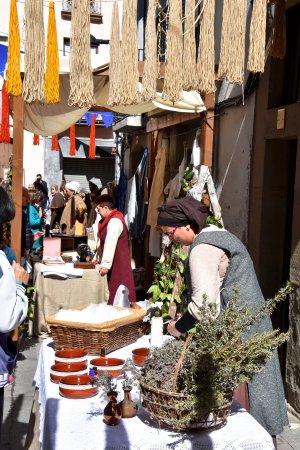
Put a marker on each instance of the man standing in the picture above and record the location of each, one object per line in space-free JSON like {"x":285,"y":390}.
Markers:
{"x":73,"y":217}
{"x":115,"y":257}
{"x":41,"y":185}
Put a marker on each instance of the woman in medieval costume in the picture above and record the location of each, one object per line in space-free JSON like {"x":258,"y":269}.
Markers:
{"x":115,"y":258}
{"x":73,"y":218}
{"x":217,"y":264}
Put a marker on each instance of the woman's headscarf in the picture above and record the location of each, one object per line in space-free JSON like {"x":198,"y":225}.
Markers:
{"x":183,"y":211}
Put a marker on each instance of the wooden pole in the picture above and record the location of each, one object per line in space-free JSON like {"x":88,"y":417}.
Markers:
{"x":17,"y":174}
{"x":207,"y":131}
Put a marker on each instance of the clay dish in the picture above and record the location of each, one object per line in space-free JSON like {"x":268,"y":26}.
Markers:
{"x":71,"y":355}
{"x":60,"y":370}
{"x":139,"y":356}
{"x":77,"y":387}
{"x":111,"y":365}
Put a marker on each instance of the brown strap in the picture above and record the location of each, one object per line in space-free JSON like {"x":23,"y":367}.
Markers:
{"x":180,"y":361}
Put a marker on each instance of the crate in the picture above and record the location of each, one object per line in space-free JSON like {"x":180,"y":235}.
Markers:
{"x":110,"y":335}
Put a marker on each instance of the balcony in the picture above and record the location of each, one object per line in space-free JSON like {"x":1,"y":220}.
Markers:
{"x":95,"y":11}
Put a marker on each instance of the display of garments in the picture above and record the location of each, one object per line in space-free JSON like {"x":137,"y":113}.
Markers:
{"x":157,"y":187}
{"x":172,"y":190}
{"x":130,"y":203}
{"x":142,"y":204}
{"x":57,"y":206}
{"x":73,"y":216}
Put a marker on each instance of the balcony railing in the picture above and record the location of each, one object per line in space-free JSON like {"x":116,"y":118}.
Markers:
{"x":95,"y":11}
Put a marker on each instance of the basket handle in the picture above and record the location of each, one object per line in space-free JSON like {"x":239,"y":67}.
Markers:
{"x":180,"y":360}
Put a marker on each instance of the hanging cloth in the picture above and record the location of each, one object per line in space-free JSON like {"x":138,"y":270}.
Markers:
{"x":157,"y":188}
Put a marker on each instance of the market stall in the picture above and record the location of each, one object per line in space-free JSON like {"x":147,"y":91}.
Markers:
{"x":70,"y":424}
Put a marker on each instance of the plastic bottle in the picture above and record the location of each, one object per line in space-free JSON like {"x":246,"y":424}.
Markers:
{"x":156,"y":336}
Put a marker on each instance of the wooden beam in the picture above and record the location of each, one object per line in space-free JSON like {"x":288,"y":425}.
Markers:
{"x":17,"y":174}
{"x":169,"y":120}
{"x":207,"y":131}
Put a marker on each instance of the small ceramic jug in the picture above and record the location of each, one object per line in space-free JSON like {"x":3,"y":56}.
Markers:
{"x":127,"y":405}
{"x":112,"y":412}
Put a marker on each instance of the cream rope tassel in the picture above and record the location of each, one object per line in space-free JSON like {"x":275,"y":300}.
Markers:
{"x":114,"y":72}
{"x":150,"y":64}
{"x":206,"y":50}
{"x":129,"y":83}
{"x":232,"y":56}
{"x":189,"y":50}
{"x":173,"y":75}
{"x":34,"y":48}
{"x":256,"y":58}
{"x":278,"y":42}
{"x":81,"y":76}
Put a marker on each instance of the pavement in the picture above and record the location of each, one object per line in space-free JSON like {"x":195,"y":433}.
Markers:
{"x":18,"y":399}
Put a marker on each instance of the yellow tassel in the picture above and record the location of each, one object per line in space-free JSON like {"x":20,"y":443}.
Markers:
{"x":13,"y":73}
{"x":52,"y":63}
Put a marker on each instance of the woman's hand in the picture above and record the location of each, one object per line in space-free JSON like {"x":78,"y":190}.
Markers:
{"x":20,"y":273}
{"x":103,"y":271}
{"x":172,"y":329}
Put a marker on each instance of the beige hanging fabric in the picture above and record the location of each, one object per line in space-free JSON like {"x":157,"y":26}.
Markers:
{"x":150,"y":64}
{"x":174,"y":73}
{"x":206,"y":50}
{"x":157,"y":188}
{"x":129,"y":74}
{"x":189,"y":49}
{"x":34,"y":52}
{"x":256,"y":58}
{"x":232,"y":55}
{"x":81,"y":76}
{"x":114,"y":69}
{"x":278,"y":41}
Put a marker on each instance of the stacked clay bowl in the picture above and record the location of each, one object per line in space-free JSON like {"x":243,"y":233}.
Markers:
{"x":61,"y":370}
{"x":139,"y":356}
{"x":77,"y":387}
{"x":71,"y":355}
{"x":111,"y":365}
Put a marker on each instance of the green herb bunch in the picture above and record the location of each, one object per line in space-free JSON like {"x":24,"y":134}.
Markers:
{"x":221,"y":355}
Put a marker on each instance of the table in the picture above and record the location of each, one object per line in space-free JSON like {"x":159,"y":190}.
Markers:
{"x":51,"y":294}
{"x":77,"y":424}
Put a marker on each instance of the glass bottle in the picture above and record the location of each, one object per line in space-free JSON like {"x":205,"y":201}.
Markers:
{"x":127,"y":405}
{"x":112,"y":412}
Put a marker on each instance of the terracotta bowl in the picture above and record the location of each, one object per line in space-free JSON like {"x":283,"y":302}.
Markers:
{"x":139,"y":355}
{"x":77,"y":387}
{"x":111,"y":365}
{"x":60,"y":370}
{"x":71,"y":355}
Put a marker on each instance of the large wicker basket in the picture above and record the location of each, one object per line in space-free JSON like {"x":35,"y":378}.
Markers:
{"x":109,"y":335}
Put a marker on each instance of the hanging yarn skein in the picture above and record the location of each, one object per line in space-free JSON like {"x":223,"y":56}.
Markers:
{"x":81,"y":76}
{"x":54,"y":143}
{"x":189,"y":49}
{"x":173,"y":73}
{"x":232,"y":55}
{"x":92,"y":149}
{"x":5,"y":132}
{"x":72,"y":151}
{"x":256,"y":58}
{"x":114,"y":72}
{"x":52,"y":61}
{"x":34,"y":49}
{"x":129,"y":75}
{"x":278,"y":41}
{"x":206,"y":50}
{"x":150,"y":64}
{"x":13,"y":71}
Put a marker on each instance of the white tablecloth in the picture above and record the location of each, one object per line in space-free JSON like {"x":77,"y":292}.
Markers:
{"x":77,"y":424}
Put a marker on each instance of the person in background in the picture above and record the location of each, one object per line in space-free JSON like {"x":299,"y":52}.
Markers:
{"x":41,"y":185}
{"x":217,"y":264}
{"x":34,"y":214}
{"x":4,"y":245}
{"x":14,"y":303}
{"x":115,"y":259}
{"x":57,"y":205}
{"x":31,"y":188}
{"x":73,"y":217}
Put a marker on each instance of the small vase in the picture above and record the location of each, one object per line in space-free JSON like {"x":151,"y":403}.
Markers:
{"x":112,"y":412}
{"x":127,"y":405}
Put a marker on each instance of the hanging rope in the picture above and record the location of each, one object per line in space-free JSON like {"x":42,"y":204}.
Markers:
{"x":5,"y":132}
{"x":34,"y":48}
{"x":72,"y":151}
{"x":129,"y":74}
{"x":92,"y":149}
{"x":13,"y":71}
{"x":232,"y":56}
{"x":81,"y":76}
{"x":278,"y":41}
{"x":52,"y":61}
{"x":189,"y":50}
{"x":256,"y":58}
{"x":150,"y":63}
{"x":114,"y":72}
{"x":54,"y":143}
{"x":206,"y":50}
{"x":173,"y":73}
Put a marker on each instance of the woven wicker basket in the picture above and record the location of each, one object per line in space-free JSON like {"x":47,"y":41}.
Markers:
{"x":94,"y":337}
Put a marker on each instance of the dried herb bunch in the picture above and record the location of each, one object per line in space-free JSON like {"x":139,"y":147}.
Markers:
{"x":216,"y":360}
